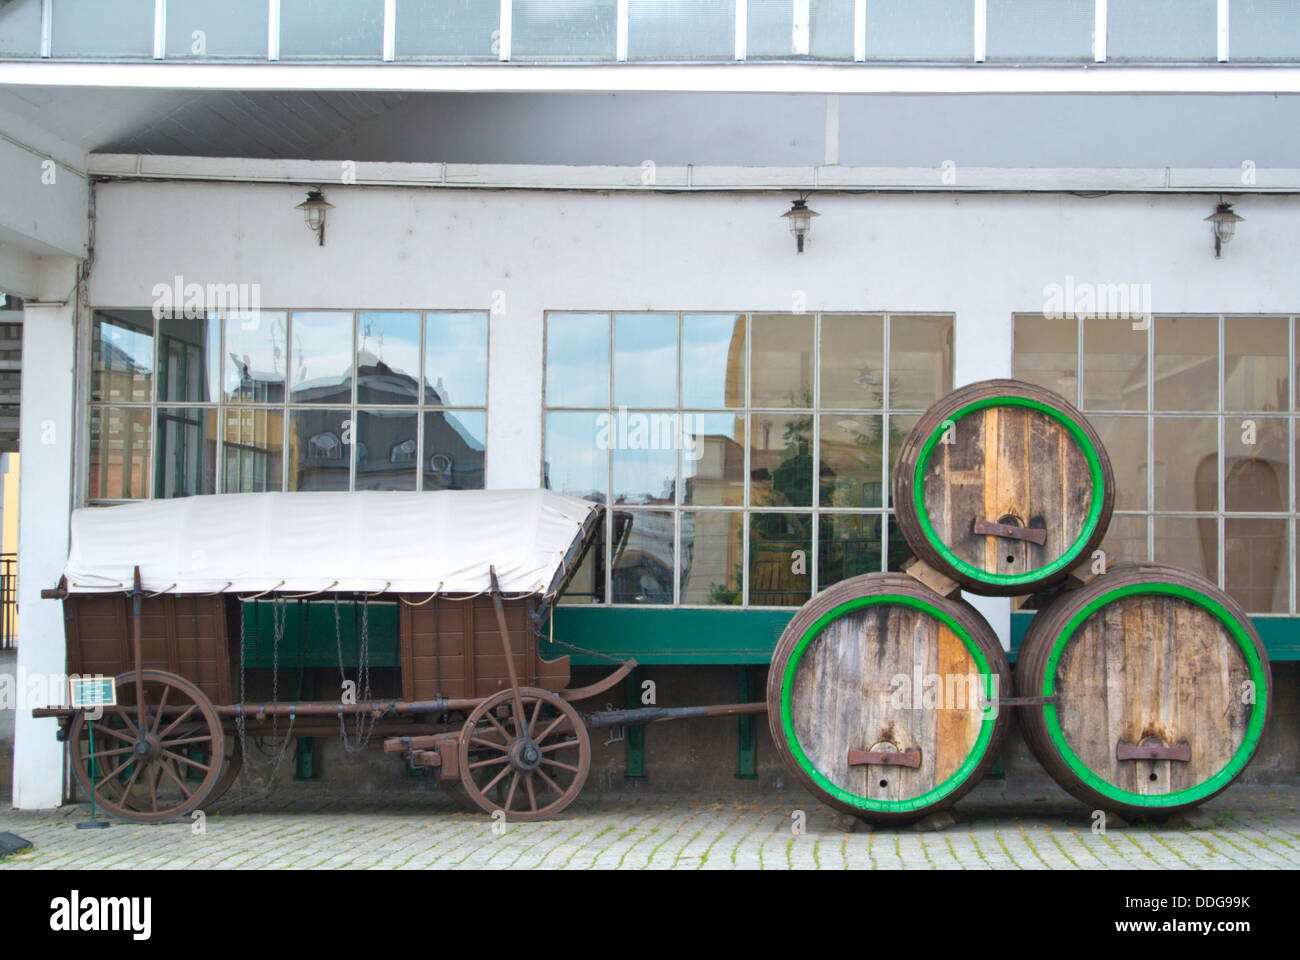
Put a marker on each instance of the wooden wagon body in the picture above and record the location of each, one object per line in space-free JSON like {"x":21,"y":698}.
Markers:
{"x":173,"y":634}
{"x":449,"y":647}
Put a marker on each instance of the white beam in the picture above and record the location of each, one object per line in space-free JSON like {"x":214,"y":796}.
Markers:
{"x":700,"y":178}
{"x":43,"y":204}
{"x":645,"y":77}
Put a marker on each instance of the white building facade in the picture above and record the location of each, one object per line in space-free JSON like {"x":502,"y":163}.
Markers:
{"x":509,"y":278}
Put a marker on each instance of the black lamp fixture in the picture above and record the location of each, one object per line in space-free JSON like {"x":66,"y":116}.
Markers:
{"x":1225,"y":226}
{"x":313,"y":210}
{"x":800,"y":217}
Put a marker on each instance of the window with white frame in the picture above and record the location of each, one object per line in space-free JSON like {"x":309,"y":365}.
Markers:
{"x":285,"y":400}
{"x":744,"y":457}
{"x":1198,"y":416}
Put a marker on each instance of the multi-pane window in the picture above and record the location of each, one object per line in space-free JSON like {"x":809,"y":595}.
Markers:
{"x":285,"y":400}
{"x":744,"y":457}
{"x":1198,"y":416}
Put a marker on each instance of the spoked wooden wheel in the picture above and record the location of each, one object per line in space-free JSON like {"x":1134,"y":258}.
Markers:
{"x":234,"y":762}
{"x":535,"y":749}
{"x":152,"y":763}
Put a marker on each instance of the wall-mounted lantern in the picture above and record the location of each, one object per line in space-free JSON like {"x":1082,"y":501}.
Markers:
{"x":313,"y":210}
{"x":1225,"y":226}
{"x":800,"y":217}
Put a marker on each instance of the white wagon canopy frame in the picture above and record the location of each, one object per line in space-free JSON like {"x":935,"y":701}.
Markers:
{"x":444,"y":542}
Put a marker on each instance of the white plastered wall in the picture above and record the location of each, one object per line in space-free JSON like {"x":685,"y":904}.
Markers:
{"x":980,"y":257}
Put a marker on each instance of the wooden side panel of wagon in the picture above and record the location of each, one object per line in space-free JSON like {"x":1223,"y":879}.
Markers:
{"x":452,"y":648}
{"x":184,"y":635}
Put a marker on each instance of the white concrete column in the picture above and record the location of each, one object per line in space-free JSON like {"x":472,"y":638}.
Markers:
{"x":515,"y":375}
{"x":47,"y":436}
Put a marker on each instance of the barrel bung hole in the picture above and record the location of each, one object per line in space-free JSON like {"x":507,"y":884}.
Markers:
{"x":1153,"y":777}
{"x":1010,"y":559}
{"x":884,"y":783}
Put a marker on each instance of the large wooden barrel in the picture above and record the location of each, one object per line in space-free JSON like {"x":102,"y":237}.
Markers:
{"x":1161,"y":689}
{"x":1004,"y":487}
{"x":878,"y":697}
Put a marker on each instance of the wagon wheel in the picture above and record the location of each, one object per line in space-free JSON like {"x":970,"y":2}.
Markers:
{"x":539,"y":760}
{"x":234,"y":762}
{"x":153,"y":764}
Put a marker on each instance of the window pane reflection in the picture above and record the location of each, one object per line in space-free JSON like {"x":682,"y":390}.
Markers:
{"x":920,"y":361}
{"x":1257,"y":567}
{"x":577,"y":360}
{"x":322,"y":358}
{"x":1189,"y":542}
{"x":851,"y":474}
{"x":1047,"y":353}
{"x":899,"y":427}
{"x":252,"y":450}
{"x":189,"y":358}
{"x":568,"y":29}
{"x":642,"y":570}
{"x":92,"y":28}
{"x":645,"y":360}
{"x":388,"y":357}
{"x":454,"y":449}
{"x":387,"y":449}
{"x":233,"y":28}
{"x":1187,"y":463}
{"x":186,"y":461}
{"x":780,"y":558}
{"x":1255,"y":363}
{"x":713,"y":361}
{"x":1126,"y":539}
{"x":119,"y":452}
{"x":644,"y":456}
{"x":1256,"y":472}
{"x":121,"y":356}
{"x":1114,"y":365}
{"x":782,"y":352}
{"x":712,"y":557}
{"x":899,"y":552}
{"x":681,"y":29}
{"x":780,"y":460}
{"x":920,"y":30}
{"x":574,"y":463}
{"x":321,"y":28}
{"x":1125,"y":440}
{"x":455,"y":29}
{"x":1187,"y":363}
{"x":847,"y":547}
{"x":255,"y":358}
{"x":455,"y":359}
{"x":853,"y":363}
{"x":713,"y":459}
{"x":320,"y":451}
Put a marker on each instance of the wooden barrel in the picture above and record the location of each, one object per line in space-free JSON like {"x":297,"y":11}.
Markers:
{"x":1004,"y":487}
{"x":1161,"y":684}
{"x":878,"y":697}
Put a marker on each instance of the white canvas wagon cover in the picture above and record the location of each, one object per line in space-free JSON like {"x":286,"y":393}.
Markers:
{"x":397,"y":542}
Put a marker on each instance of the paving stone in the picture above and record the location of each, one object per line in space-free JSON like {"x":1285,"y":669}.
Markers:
{"x":1245,"y":827}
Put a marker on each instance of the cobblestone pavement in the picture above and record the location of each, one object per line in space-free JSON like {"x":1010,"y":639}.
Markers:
{"x":1247,"y":827}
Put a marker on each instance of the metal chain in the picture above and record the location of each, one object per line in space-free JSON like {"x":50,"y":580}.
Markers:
{"x":279,"y":615}
{"x":363,"y":732}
